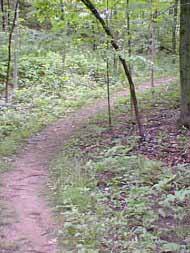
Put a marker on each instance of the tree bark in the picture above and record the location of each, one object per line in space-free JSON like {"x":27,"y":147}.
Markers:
{"x":129,"y":45}
{"x":115,"y":45}
{"x":10,"y":53}
{"x":8,"y":13}
{"x":16,"y":40}
{"x":62,"y":10}
{"x":3,"y":16}
{"x":185,"y":63}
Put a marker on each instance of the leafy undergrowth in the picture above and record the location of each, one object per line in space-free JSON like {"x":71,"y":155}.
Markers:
{"x":6,"y":220}
{"x":111,"y":193}
{"x":45,"y":94}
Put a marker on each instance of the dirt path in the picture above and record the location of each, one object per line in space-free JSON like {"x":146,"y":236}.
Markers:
{"x":23,"y":188}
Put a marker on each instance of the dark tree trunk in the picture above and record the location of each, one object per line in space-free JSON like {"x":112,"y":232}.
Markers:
{"x":9,"y":53}
{"x":129,"y":45}
{"x":62,"y":10}
{"x":115,"y":45}
{"x":3,"y":16}
{"x":8,"y":14}
{"x":185,"y":63}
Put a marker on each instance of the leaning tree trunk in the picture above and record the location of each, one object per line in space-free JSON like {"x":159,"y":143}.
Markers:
{"x":115,"y":45}
{"x":185,"y":63}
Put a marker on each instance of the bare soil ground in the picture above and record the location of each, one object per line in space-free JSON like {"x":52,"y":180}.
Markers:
{"x":31,"y":227}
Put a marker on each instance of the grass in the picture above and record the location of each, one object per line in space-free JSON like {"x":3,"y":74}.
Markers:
{"x":109,"y":198}
{"x":4,"y":165}
{"x":21,"y":120}
{"x":6,"y":245}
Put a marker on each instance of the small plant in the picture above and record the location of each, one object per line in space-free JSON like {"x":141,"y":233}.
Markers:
{"x":126,"y":202}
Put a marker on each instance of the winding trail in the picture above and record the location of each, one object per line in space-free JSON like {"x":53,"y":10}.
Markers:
{"x":23,"y":188}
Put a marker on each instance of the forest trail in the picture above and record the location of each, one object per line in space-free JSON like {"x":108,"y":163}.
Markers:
{"x":23,"y":188}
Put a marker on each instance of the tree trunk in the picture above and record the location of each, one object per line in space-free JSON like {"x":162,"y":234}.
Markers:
{"x":115,"y":45}
{"x":8,"y":13}
{"x":16,"y":39}
{"x":129,"y":46}
{"x":62,"y":10}
{"x":3,"y":16}
{"x":10,"y":53}
{"x":185,"y":63}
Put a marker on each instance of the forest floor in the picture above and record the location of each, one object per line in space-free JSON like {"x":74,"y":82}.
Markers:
{"x":116,"y":193}
{"x":28,"y":224}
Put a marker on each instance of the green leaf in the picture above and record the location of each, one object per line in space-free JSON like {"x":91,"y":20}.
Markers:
{"x":171,"y":247}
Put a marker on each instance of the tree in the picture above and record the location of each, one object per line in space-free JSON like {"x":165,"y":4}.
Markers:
{"x":16,"y":40}
{"x":185,"y":63}
{"x":10,"y":52}
{"x":115,"y":46}
{"x":3,"y":15}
